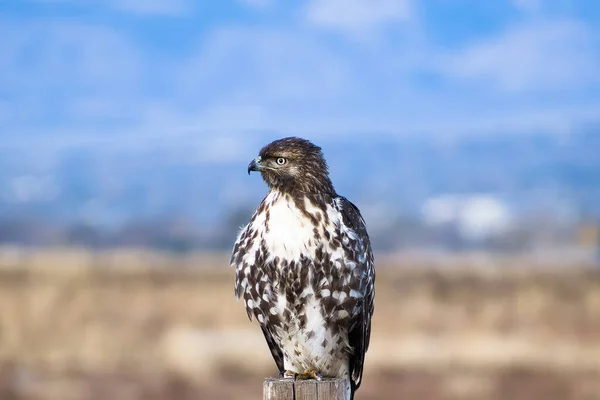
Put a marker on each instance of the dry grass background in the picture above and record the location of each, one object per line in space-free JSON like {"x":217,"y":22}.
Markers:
{"x":138,"y":325}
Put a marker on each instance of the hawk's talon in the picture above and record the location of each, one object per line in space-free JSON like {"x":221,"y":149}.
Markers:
{"x":310,"y":374}
{"x":289,"y":374}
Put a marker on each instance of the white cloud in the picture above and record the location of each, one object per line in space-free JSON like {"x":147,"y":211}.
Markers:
{"x":142,"y":7}
{"x":256,"y":3}
{"x":154,"y":7}
{"x":64,"y":71}
{"x":293,"y":79}
{"x":540,"y":55}
{"x":247,"y":68}
{"x":358,"y":15}
{"x":528,"y":5}
{"x":30,"y":188}
{"x":60,"y":53}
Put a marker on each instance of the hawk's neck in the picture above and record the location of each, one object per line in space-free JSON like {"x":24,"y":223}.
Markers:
{"x":307,"y":203}
{"x":308,"y":185}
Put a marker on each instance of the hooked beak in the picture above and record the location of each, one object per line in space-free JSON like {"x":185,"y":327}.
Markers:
{"x":254,"y":165}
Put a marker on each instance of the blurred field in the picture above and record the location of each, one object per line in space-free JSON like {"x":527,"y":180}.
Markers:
{"x":135,"y":325}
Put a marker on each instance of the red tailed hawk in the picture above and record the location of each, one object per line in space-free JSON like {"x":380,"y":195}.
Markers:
{"x":304,"y":267}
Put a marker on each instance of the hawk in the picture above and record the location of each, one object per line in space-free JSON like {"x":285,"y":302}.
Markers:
{"x":304,"y":267}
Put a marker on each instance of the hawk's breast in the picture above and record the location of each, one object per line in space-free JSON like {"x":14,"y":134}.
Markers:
{"x":289,"y":228}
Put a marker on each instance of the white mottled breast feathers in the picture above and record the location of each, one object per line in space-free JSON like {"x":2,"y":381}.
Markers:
{"x":304,"y":271}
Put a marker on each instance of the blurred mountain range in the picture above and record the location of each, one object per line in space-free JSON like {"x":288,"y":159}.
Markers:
{"x":202,"y":180}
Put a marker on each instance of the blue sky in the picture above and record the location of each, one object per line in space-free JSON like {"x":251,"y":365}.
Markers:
{"x":78,"y":70}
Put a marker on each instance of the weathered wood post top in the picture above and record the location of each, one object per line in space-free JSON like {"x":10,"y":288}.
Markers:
{"x":288,"y":389}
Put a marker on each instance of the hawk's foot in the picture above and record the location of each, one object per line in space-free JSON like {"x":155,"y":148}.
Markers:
{"x":288,"y":374}
{"x":310,"y":374}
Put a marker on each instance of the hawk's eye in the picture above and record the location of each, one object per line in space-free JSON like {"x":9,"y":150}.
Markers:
{"x":281,"y":161}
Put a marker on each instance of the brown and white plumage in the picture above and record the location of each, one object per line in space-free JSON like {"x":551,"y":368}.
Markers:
{"x":304,"y":266}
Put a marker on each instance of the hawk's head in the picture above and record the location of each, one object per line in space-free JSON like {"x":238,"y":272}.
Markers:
{"x":293,"y":165}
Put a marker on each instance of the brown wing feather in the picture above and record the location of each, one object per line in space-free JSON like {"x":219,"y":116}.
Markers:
{"x":360,"y":326}
{"x":275,"y":349}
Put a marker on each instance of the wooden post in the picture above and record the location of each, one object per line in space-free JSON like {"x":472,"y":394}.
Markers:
{"x":288,"y":389}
